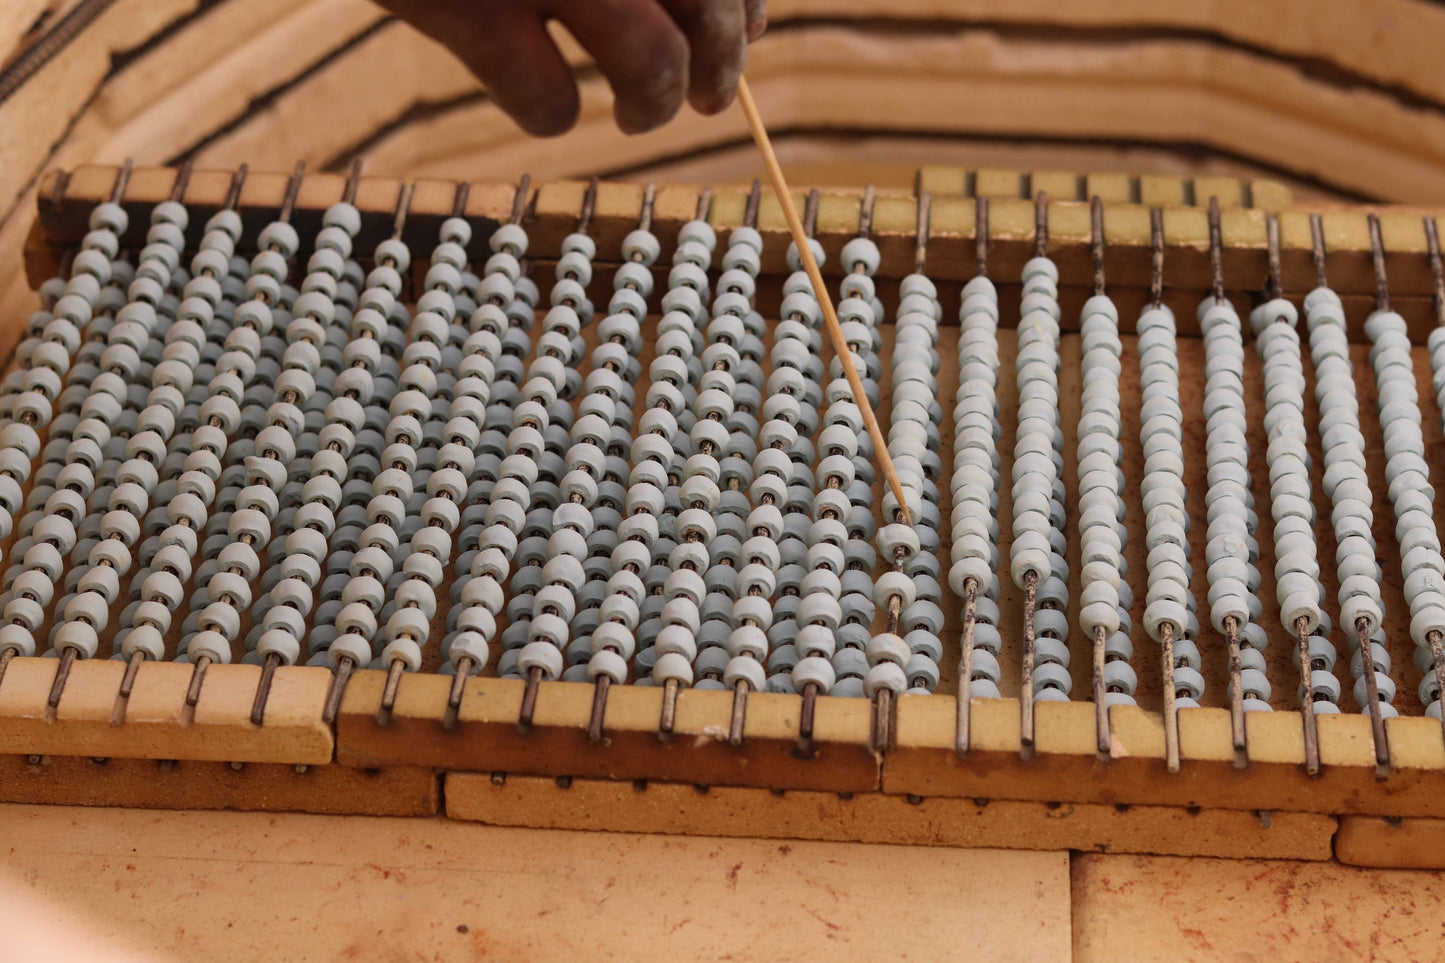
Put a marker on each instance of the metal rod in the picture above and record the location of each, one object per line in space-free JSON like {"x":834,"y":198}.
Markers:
{"x":1377,"y":252}
{"x":353,"y":181}
{"x":980,"y":234}
{"x":1236,"y":694}
{"x":865,"y":211}
{"x":1041,"y":224}
{"x":806,"y":717}
{"x":1216,"y":250}
{"x":755,"y":196}
{"x":529,"y":700}
{"x":962,"y":734}
{"x":458,"y":688}
{"x":599,"y":708}
{"x":1026,"y":686}
{"x":1171,"y":709}
{"x":667,"y":719}
{"x":1317,"y":244}
{"x":293,"y":187}
{"x":1156,"y":256}
{"x":920,"y":250}
{"x":1104,"y":738}
{"x":1096,"y":238}
{"x":1306,"y":698}
{"x":344,"y":667}
{"x":519,"y":199}
{"x":1372,"y":700}
{"x":739,"y":714}
{"x":263,"y":690}
{"x":1275,"y":284}
{"x":198,"y":676}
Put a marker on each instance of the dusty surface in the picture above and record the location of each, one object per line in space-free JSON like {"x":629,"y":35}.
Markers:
{"x":238,"y":886}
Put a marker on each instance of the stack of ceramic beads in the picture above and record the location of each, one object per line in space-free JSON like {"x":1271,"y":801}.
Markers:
{"x":1226,"y":554}
{"x":56,"y":336}
{"x":1408,"y":477}
{"x":1038,"y":493}
{"x":913,"y":441}
{"x":719,"y":471}
{"x":133,"y":343}
{"x":1162,"y":487}
{"x":784,"y":482}
{"x":1346,"y":482}
{"x":1430,"y":685}
{"x":1104,"y":602}
{"x":1297,"y":585}
{"x":974,"y":484}
{"x":486,"y":395}
{"x":766,"y":477}
{"x":694,"y":424}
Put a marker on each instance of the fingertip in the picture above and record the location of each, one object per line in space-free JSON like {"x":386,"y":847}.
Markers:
{"x":550,"y":116}
{"x":757,"y":18}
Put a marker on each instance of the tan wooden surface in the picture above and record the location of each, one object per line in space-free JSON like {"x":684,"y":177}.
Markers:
{"x":126,"y":885}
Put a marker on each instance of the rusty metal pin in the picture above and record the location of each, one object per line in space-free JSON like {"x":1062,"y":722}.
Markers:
{"x":529,"y":700}
{"x":739,"y":714}
{"x":263,"y":690}
{"x":810,"y":213}
{"x":649,"y":200}
{"x":519,"y":199}
{"x":132,"y":668}
{"x":344,"y":667}
{"x":806,"y":716}
{"x":1216,"y":250}
{"x":1156,"y":256}
{"x":1274,"y":287}
{"x":458,"y":687}
{"x":1171,"y":708}
{"x":1103,"y":738}
{"x":293,"y":187}
{"x":1026,"y":694}
{"x":394,"y":672}
{"x":667,"y":720}
{"x":353,"y":181}
{"x":962,"y":736}
{"x":599,"y":708}
{"x":589,"y":206}
{"x":238,"y":180}
{"x":1236,"y":694}
{"x":865,"y":211}
{"x":1317,"y":249}
{"x":980,"y":234}
{"x":403,"y":207}
{"x":1377,"y":254}
{"x":1306,"y":698}
{"x":460,"y":198}
{"x":704,"y":204}
{"x":750,"y":211}
{"x":183,"y":180}
{"x":882,"y":720}
{"x":1041,"y":224}
{"x":122,"y":180}
{"x":67,"y":659}
{"x":1432,"y":245}
{"x":1096,"y":239}
{"x":1435,"y":637}
{"x":198,"y":676}
{"x":5,"y":658}
{"x":920,"y":248}
{"x":1372,"y":701}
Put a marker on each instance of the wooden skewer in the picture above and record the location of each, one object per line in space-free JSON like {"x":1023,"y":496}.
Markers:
{"x":830,"y":318}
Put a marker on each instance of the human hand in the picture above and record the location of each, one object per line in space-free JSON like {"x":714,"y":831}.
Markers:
{"x":653,"y":53}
